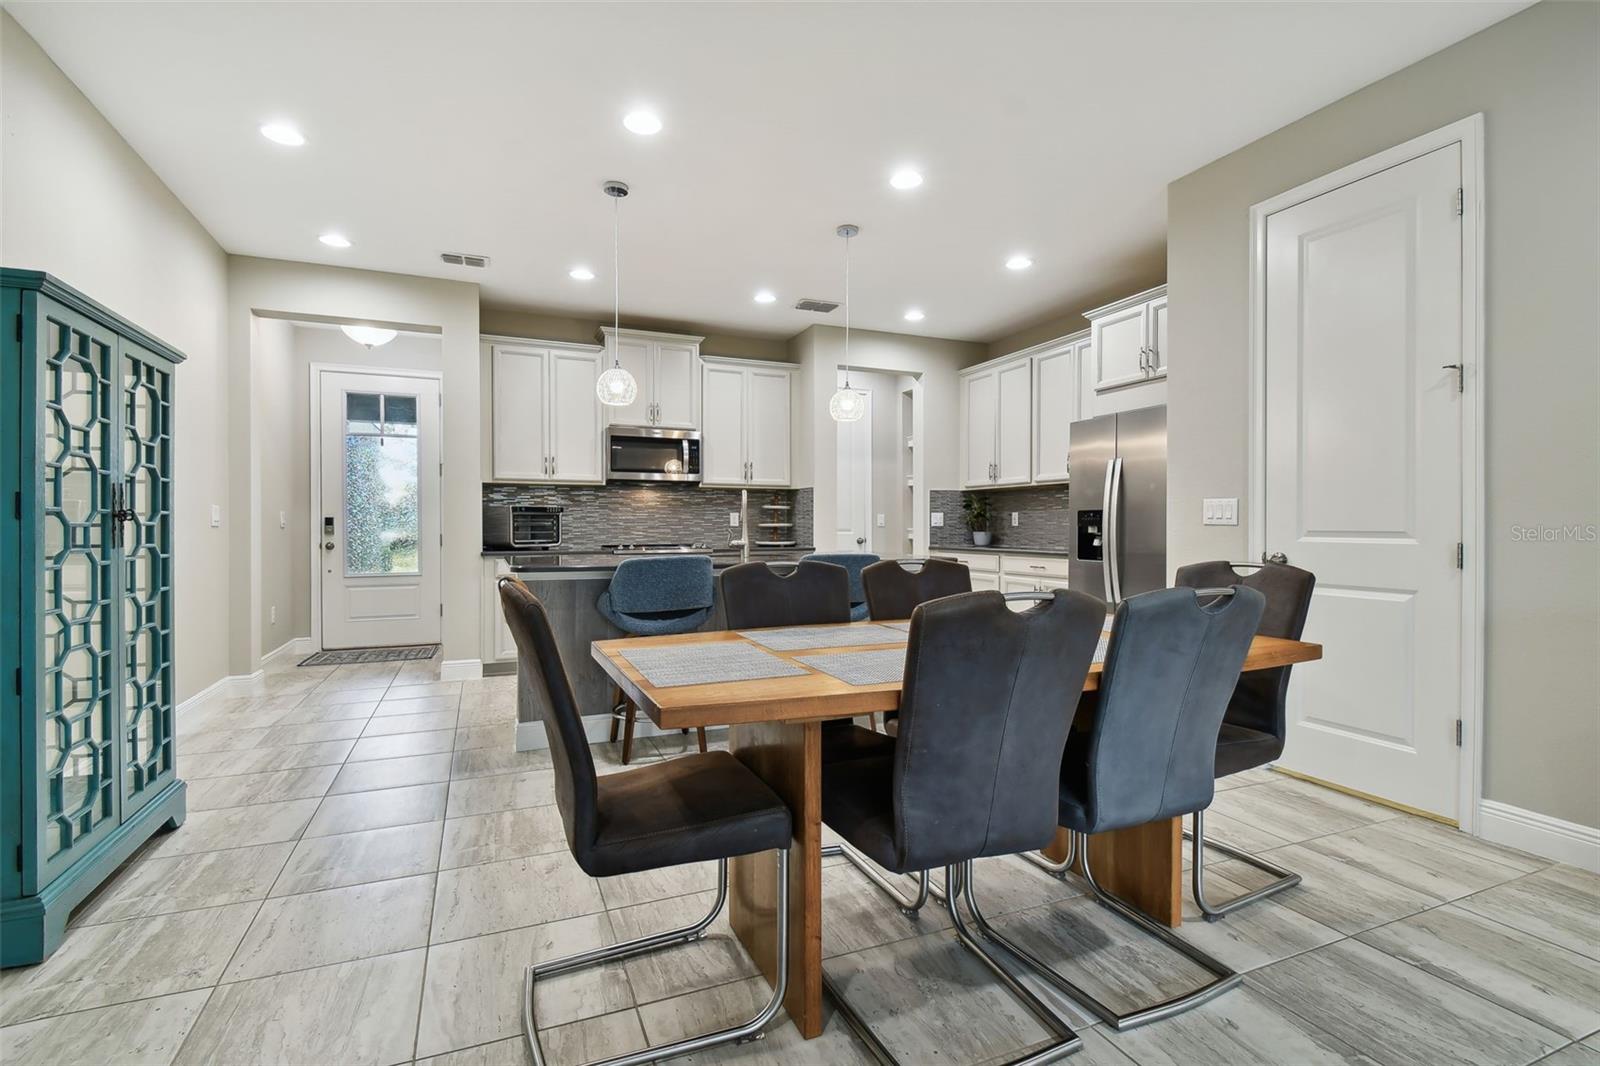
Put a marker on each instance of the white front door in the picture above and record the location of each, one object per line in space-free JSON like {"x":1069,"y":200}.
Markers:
{"x":1363,"y":473}
{"x":853,"y":481}
{"x":378,"y":511}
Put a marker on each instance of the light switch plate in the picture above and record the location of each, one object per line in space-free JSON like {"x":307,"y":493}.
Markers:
{"x":938,"y":519}
{"x":880,"y":521}
{"x":216,"y":515}
{"x":1220,"y":511}
{"x":283,"y":519}
{"x":1014,"y":518}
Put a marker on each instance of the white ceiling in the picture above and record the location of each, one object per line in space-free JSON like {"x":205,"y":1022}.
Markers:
{"x":487,"y":128}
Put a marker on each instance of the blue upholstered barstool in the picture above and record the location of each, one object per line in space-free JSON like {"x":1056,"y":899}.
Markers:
{"x":853,"y":563}
{"x":651,"y":598}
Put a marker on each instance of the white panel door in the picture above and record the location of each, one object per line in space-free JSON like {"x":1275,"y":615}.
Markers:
{"x":378,"y":509}
{"x":1363,"y":473}
{"x":1055,"y":407}
{"x":979,"y":402}
{"x":520,"y":445}
{"x":1158,"y":337}
{"x":1014,"y":432}
{"x":767,"y":426}
{"x":637,"y":358}
{"x":853,"y":481}
{"x":722,"y":446}
{"x":677,"y":376}
{"x":575,"y":417}
{"x":1119,"y":341}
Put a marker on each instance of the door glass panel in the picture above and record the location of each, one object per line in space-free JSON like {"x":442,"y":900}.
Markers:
{"x":380,"y":484}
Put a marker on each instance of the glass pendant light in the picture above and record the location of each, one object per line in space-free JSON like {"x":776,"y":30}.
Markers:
{"x":616,"y":387}
{"x":847,"y":405}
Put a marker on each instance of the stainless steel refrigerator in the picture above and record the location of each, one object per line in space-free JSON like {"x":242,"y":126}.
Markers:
{"x":1119,"y":504}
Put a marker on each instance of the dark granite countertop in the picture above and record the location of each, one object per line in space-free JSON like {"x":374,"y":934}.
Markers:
{"x":601,"y":562}
{"x":998,"y":549}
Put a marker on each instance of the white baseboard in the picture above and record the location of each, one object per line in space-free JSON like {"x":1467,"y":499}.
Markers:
{"x":597,"y":727}
{"x":218,"y":689}
{"x":294,"y":646}
{"x":1553,"y":838}
{"x":461,"y":670}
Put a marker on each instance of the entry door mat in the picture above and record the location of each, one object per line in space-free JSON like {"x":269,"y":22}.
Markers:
{"x":878,"y":667}
{"x":707,"y":664}
{"x":352,"y":656}
{"x":800,"y":638}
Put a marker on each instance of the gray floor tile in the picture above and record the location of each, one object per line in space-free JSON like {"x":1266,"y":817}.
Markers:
{"x":214,"y":792}
{"x":424,"y":690}
{"x":1247,"y":835}
{"x":1239,"y":1028}
{"x":235,"y":827}
{"x":503,"y":792}
{"x":1557,"y":988}
{"x":1255,"y":935}
{"x":162,"y":885}
{"x":1295,"y":811}
{"x":401,"y":745}
{"x":314,"y":713}
{"x":219,"y":740}
{"x":1399,"y":1014}
{"x":379,"y":809}
{"x":1418,"y":861}
{"x":495,"y":896}
{"x":147,"y":1032}
{"x":366,"y":694}
{"x":485,"y":762}
{"x":357,"y":858}
{"x":728,"y":1005}
{"x":512,"y":1052}
{"x":98,"y":965}
{"x":390,"y":724}
{"x":391,"y":773}
{"x":502,"y":835}
{"x":1337,"y":893}
{"x":630,"y":890}
{"x":344,"y":729}
{"x":716,"y":959}
{"x":858,"y":915}
{"x":391,"y":705}
{"x":337,"y":925}
{"x":263,"y":759}
{"x":473,"y":992}
{"x":1560,"y":904}
{"x":503,"y":735}
{"x":590,"y":1040}
{"x":1571,"y":1055}
{"x":354,"y":1013}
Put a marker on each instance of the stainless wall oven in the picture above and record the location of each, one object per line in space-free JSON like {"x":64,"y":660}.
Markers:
{"x":649,"y":453}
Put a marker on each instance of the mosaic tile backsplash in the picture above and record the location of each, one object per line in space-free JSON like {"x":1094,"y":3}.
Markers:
{"x":621,"y":513}
{"x":1043,"y":518}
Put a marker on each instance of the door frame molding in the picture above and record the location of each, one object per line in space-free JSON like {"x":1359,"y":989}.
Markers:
{"x":1468,"y":132}
{"x":314,"y":428}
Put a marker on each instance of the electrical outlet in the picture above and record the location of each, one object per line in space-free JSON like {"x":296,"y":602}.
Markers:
{"x":733,"y":519}
{"x":272,"y":614}
{"x":880,"y":521}
{"x":1220,"y":511}
{"x":283,"y":519}
{"x":216,"y":515}
{"x":938,"y":519}
{"x":1015,"y":518}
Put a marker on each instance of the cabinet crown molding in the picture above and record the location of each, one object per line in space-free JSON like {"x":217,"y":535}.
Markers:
{"x":685,"y":338}
{"x":534,"y":342}
{"x":1026,"y":353}
{"x":1128,"y":301}
{"x":759,"y":364}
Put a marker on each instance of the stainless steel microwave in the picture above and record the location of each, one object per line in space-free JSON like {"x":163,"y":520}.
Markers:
{"x":650,"y":453}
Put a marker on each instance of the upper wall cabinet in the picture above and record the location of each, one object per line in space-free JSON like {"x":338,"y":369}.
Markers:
{"x":546,"y":415}
{"x":745,"y":438}
{"x":1016,"y":414}
{"x":1129,"y":340}
{"x":667,"y":368}
{"x":1056,"y":373}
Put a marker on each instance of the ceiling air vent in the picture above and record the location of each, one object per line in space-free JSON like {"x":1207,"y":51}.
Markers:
{"x":463,"y":259}
{"x":820,"y":306}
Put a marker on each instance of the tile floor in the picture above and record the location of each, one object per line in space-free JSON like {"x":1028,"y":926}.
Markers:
{"x":368,"y":865}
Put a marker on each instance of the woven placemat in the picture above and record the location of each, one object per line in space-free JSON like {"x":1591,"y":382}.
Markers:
{"x":799,"y":638}
{"x":703,"y":664}
{"x":878,"y":667}
{"x":904,"y":627}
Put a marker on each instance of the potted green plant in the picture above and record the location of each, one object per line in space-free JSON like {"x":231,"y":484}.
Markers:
{"x":976,"y":510}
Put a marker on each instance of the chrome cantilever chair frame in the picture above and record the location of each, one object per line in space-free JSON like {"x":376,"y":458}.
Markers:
{"x":958,"y":877}
{"x":1226,"y":977}
{"x":742,"y":1033}
{"x":1283,"y":879}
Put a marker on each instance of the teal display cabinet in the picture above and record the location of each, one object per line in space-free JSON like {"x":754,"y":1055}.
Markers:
{"x":89,"y":767}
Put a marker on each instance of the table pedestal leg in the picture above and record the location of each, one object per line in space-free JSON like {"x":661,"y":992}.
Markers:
{"x":1142,"y":865}
{"x":788,"y":757}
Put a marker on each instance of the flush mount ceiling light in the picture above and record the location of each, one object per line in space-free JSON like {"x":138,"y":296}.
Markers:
{"x":643,"y":121}
{"x":581,"y":274}
{"x":370,"y":337}
{"x":335,"y":240}
{"x":765,"y":296}
{"x":905,"y":178}
{"x":915,"y":315}
{"x":283,"y":133}
{"x":1019,"y":262}
{"x":616,"y":387}
{"x":847,"y":405}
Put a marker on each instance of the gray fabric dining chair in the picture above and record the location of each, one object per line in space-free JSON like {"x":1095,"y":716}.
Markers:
{"x":695,"y":808}
{"x":986,"y":701}
{"x":1144,"y":752}
{"x":1256,"y":722}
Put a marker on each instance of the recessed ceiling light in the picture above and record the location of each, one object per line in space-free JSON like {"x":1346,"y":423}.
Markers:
{"x":643,"y":122}
{"x":905,"y":178}
{"x":914,"y":315}
{"x":581,"y":274}
{"x":1018,"y":262}
{"x":284,"y":134}
{"x":335,"y":240}
{"x":765,"y":296}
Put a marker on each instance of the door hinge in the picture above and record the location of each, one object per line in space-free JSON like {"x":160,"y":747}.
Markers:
{"x":1461,"y":202}
{"x":1461,"y":556}
{"x":1458,"y":732}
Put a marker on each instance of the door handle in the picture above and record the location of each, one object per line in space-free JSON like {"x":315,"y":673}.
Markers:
{"x":1275,"y":557}
{"x":1113,"y":534}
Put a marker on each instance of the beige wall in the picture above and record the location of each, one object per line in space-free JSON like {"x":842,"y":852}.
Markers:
{"x":282,"y":479}
{"x":1536,"y":78}
{"x":537,"y":325}
{"x":76,"y":201}
{"x":266,"y":288}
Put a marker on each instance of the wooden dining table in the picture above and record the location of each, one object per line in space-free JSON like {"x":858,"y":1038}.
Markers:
{"x":775,"y":728}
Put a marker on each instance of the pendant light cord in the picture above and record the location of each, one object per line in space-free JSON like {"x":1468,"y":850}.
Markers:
{"x":616,"y":279}
{"x":847,"y":311}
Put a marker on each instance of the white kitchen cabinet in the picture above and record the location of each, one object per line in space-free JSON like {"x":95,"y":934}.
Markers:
{"x":980,"y":406}
{"x":1157,"y":358}
{"x":495,"y":642}
{"x":666,"y":367}
{"x":1129,"y":340}
{"x":1013,"y":451}
{"x":546,"y":416}
{"x":744,"y":437}
{"x":982,"y":582}
{"x":1055,"y":407}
